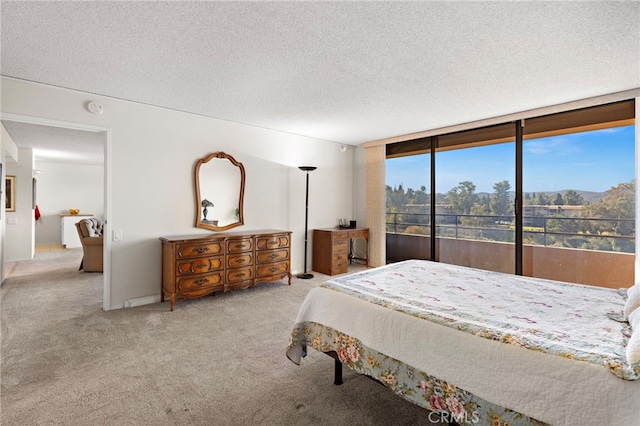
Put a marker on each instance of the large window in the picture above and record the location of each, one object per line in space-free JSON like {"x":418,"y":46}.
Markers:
{"x":579,"y":203}
{"x":408,"y":206}
{"x":551,"y":197}
{"x":475,"y":203}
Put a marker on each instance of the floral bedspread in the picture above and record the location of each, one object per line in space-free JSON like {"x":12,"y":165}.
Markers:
{"x":446,"y":401}
{"x":568,"y":320}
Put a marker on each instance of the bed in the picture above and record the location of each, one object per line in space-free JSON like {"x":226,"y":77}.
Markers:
{"x":481,"y":347}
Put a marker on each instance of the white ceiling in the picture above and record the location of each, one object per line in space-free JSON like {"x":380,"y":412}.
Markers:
{"x":348,"y":72}
{"x":58,"y":144}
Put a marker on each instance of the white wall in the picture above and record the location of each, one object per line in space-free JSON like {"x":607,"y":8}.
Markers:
{"x":8,"y":152}
{"x":152,"y":153}
{"x":64,"y":186}
{"x":19,"y":225}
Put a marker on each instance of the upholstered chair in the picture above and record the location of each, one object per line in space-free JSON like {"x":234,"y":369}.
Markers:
{"x":90,"y":233}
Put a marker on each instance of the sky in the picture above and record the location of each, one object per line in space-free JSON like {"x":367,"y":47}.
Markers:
{"x":587,"y":161}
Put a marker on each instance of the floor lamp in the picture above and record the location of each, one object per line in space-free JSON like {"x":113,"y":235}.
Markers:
{"x":306,"y":169}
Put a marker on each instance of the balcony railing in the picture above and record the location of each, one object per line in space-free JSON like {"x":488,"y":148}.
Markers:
{"x":606,"y":234}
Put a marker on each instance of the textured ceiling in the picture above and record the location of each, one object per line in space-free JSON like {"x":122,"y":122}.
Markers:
{"x":58,"y":144}
{"x":348,"y":72}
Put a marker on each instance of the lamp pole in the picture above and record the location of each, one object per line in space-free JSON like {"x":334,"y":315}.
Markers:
{"x":307,"y":169}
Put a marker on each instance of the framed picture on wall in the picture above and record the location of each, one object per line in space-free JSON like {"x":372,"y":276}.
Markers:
{"x":10,"y":197}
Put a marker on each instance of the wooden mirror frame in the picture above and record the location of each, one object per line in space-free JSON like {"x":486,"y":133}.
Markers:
{"x":200,"y":162}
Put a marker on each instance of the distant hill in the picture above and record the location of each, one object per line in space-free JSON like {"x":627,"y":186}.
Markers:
{"x":588,"y":196}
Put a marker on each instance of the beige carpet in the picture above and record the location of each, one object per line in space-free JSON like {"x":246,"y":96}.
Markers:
{"x":219,"y":360}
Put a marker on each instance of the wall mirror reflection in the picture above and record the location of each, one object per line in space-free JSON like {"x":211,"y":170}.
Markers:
{"x":219,"y":184}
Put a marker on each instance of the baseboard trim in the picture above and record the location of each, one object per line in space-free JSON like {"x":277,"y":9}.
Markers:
{"x":139,"y":301}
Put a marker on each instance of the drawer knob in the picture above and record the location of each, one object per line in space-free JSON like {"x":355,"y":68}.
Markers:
{"x":273,"y":243}
{"x":273,"y":269}
{"x":201,"y":281}
{"x":273,"y":255}
{"x":241,"y":274}
{"x":239,"y":246}
{"x":201,"y":249}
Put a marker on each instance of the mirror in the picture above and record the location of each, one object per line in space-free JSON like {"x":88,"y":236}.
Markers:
{"x":219,"y":182}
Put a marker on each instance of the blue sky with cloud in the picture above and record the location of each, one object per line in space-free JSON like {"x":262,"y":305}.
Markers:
{"x":587,"y":161}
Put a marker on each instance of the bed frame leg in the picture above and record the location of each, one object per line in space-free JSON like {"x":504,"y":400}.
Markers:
{"x":337,"y":380}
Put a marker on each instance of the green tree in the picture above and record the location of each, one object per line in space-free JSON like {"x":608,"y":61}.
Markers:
{"x":422,"y":197}
{"x":542,"y":200}
{"x":558,"y":200}
{"x":500,"y":202}
{"x":463,"y":197}
{"x":573,"y":198}
{"x":618,"y":203}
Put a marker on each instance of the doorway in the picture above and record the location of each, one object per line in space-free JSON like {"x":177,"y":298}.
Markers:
{"x":66,"y":156}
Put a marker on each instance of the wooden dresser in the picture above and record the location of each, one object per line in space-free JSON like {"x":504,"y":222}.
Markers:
{"x":333,"y":251}
{"x":196,"y":265}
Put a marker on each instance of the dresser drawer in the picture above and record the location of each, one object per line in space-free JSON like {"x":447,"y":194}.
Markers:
{"x":239,"y":245}
{"x":342,"y":249}
{"x":274,"y":242}
{"x":198,"y":249}
{"x":360,"y":233}
{"x":240,"y":274}
{"x":339,"y":235}
{"x":200,"y":282}
{"x":198,"y":266}
{"x":238,"y":285}
{"x":339,"y":266}
{"x":272,"y":269}
{"x":272,"y":256}
{"x":340,"y":257}
{"x":239,"y":260}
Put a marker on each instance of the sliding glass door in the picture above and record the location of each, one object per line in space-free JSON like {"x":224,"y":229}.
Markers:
{"x":550,"y":197}
{"x":408,"y":221}
{"x":474,"y":211}
{"x":579,"y":206}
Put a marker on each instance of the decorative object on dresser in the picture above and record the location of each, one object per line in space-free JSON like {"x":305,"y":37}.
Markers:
{"x":333,"y":249}
{"x":196,"y":265}
{"x":219,"y":177}
{"x":306,"y":169}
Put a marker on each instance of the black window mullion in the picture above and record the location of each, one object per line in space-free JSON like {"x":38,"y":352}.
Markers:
{"x":432,"y":212}
{"x":518,"y":199}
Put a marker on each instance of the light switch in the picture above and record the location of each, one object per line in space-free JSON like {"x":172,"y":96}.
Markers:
{"x":117,"y":235}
